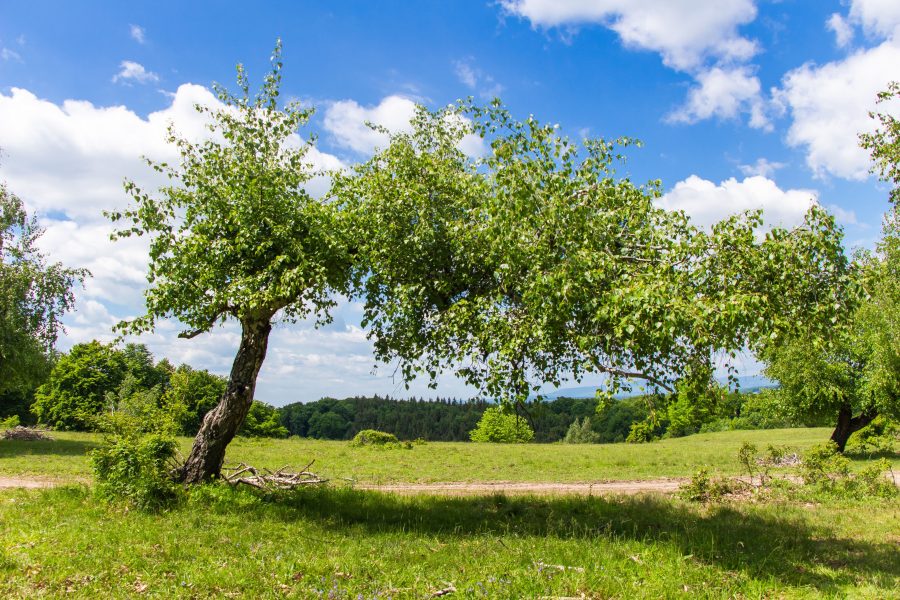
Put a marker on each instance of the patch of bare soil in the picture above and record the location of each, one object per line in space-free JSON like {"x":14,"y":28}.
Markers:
{"x":26,"y":482}
{"x":463,"y":488}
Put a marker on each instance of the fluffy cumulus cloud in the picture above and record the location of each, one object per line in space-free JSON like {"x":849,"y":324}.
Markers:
{"x":829,"y":106}
{"x":843,"y":31}
{"x":130,"y":71}
{"x":829,"y":103}
{"x":692,"y":36}
{"x":877,"y":17}
{"x":707,"y":202}
{"x":684,"y":32}
{"x":762,"y":167}
{"x":724,"y":93}
{"x":348,"y":122}
{"x":67,"y":161}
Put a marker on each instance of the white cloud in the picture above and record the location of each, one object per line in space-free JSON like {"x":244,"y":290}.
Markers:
{"x":466,"y":74}
{"x":879,"y":17}
{"x":843,"y":31}
{"x":684,"y":32}
{"x":692,"y":36}
{"x":67,"y":162}
{"x":723,"y":94}
{"x":829,"y":106}
{"x":762,"y":167}
{"x":137,"y":33}
{"x":132,"y":71}
{"x":707,"y":203}
{"x":347,"y":120}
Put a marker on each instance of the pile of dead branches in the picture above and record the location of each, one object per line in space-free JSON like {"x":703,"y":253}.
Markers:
{"x":264,"y":479}
{"x":25,"y":434}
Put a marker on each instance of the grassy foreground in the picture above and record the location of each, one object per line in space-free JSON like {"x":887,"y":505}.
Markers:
{"x":334,"y":543}
{"x":66,"y":458}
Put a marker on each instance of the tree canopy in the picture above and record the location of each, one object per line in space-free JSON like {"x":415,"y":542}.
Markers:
{"x":847,"y":366}
{"x":34,"y":294}
{"x":536,"y":262}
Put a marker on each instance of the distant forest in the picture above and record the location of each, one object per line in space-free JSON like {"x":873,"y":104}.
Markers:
{"x":449,"y":419}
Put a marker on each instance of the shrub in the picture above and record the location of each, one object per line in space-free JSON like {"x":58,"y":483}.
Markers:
{"x":373,"y":437}
{"x":136,"y":469}
{"x":828,"y":471}
{"x":879,"y":436}
{"x":581,"y":433}
{"x":263,"y":420}
{"x":702,"y":488}
{"x":135,"y":460}
{"x":640,"y":433}
{"x":10,"y":422}
{"x":499,"y":427}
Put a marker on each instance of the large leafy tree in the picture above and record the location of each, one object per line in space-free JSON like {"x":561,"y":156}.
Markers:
{"x":236,"y":236}
{"x":81,"y":382}
{"x":34,"y":294}
{"x":536,"y":262}
{"x":848,"y":368}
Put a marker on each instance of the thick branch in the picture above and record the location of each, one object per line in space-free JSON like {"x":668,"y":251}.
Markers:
{"x":635,"y":375}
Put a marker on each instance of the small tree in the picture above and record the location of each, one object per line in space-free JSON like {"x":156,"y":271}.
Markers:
{"x":500,"y":427}
{"x":581,"y":433}
{"x":237,"y":237}
{"x":33,"y":297}
{"x":263,"y":420}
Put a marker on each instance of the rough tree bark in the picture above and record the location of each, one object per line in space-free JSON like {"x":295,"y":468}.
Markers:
{"x":222,"y":423}
{"x":847,"y":425}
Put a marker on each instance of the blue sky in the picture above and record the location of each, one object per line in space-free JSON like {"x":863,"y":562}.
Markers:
{"x":739,"y":103}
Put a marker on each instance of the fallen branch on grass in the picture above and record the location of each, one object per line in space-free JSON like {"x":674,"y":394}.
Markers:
{"x":25,"y":434}
{"x":265,"y":479}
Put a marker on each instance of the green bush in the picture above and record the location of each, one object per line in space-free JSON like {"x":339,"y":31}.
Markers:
{"x":136,"y":458}
{"x":703,"y":488}
{"x":499,"y":427}
{"x":640,"y":432}
{"x":879,"y":436}
{"x":9,"y":422}
{"x":581,"y":433}
{"x":263,"y":420}
{"x":828,"y":472}
{"x":373,"y":437}
{"x":136,"y":469}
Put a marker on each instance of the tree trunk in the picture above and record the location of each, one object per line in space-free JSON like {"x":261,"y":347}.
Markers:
{"x":847,"y":425}
{"x":222,"y":423}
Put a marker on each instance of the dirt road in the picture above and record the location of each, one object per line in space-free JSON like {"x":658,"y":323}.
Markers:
{"x":463,"y":488}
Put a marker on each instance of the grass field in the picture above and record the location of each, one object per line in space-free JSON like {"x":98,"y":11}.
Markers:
{"x":66,"y":458}
{"x":336,"y":542}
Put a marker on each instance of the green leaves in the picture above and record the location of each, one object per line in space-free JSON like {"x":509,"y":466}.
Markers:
{"x":536,"y":262}
{"x":33,"y":297}
{"x":237,"y":235}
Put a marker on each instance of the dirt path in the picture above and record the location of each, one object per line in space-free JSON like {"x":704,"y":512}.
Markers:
{"x":462,"y":488}
{"x":27,"y":482}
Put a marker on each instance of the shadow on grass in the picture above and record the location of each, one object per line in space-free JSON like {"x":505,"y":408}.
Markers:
{"x":860,"y":456}
{"x":13,"y":448}
{"x":762,"y":542}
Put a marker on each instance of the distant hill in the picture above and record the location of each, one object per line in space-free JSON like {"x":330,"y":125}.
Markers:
{"x":748,"y":384}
